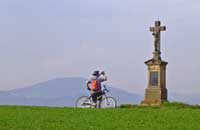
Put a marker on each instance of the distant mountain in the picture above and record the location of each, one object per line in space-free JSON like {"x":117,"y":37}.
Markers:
{"x":59,"y":92}
{"x":186,"y":98}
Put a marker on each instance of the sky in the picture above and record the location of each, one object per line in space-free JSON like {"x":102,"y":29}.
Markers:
{"x":46,"y":39}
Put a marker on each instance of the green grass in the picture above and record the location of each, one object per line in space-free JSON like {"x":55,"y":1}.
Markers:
{"x":166,"y":117}
{"x":170,"y":105}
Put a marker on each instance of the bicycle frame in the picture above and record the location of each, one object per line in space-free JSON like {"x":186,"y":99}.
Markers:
{"x":103,"y":93}
{"x":103,"y":98}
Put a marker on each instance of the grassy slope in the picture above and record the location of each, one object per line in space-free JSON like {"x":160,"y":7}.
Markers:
{"x":44,"y":118}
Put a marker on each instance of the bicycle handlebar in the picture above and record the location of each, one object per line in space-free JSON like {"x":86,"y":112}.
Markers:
{"x":105,"y":88}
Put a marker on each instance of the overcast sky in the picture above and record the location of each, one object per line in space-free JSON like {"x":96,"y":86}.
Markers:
{"x":46,"y":39}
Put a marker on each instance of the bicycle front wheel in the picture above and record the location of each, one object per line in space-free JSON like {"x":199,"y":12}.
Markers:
{"x":83,"y":102}
{"x":108,"y":102}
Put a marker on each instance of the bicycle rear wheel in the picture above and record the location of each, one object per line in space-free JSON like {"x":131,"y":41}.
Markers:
{"x":108,"y":102}
{"x":83,"y":102}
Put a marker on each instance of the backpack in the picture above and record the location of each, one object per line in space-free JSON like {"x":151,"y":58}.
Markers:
{"x":94,"y":85}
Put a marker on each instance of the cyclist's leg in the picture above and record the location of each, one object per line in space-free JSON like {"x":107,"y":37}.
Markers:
{"x":100,"y":94}
{"x":94,"y":99}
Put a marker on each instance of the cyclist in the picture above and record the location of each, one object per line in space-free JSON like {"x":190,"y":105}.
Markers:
{"x":94,"y":85}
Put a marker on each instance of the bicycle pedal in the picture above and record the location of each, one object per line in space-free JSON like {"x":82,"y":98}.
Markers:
{"x":93,"y":104}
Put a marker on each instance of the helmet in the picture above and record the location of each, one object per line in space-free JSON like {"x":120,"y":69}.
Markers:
{"x":95,"y":73}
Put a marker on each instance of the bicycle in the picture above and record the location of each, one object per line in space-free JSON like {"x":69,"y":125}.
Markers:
{"x":106,"y":102}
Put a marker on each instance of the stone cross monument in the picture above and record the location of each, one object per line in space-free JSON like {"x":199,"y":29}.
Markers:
{"x":156,"y":91}
{"x":156,"y":33}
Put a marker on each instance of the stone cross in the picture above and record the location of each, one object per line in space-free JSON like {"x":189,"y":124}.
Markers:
{"x":156,"y":33}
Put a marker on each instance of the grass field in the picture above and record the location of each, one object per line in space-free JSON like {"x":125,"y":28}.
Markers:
{"x":132,"y":118}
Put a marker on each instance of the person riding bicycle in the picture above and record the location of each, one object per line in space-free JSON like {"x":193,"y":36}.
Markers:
{"x":94,"y":85}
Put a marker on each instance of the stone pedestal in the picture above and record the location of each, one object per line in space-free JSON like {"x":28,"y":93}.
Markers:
{"x":156,"y":91}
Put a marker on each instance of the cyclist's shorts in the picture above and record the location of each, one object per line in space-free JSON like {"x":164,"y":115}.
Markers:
{"x":96,"y":95}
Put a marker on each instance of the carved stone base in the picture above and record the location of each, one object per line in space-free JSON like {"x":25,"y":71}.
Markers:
{"x":154,"y":96}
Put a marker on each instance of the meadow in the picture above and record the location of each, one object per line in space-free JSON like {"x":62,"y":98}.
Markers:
{"x":170,"y":117}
